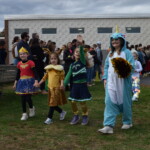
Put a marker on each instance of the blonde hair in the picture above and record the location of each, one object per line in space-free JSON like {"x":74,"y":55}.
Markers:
{"x":135,"y":53}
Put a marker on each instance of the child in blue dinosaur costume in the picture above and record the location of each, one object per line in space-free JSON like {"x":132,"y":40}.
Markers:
{"x":118,"y":88}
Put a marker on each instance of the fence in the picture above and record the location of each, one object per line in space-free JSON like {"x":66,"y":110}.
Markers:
{"x":7,"y":73}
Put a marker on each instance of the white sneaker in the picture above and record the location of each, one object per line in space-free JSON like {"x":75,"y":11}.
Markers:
{"x":32,"y":112}
{"x":48,"y":121}
{"x":62,"y":115}
{"x":134,"y":98}
{"x":24,"y":116}
{"x":106,"y":129}
{"x":126,"y":126}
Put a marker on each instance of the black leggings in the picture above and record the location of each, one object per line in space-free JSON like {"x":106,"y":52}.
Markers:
{"x":51,"y":111}
{"x":26,"y":99}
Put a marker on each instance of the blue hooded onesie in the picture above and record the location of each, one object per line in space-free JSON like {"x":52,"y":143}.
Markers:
{"x":118,"y":92}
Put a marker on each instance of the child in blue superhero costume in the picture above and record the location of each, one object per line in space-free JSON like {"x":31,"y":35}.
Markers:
{"x":118,"y":90}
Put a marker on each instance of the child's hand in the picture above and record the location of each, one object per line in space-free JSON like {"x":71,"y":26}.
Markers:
{"x":62,"y":87}
{"x":14,"y":86}
{"x":80,"y":39}
{"x":105,"y":83}
{"x":36,"y":84}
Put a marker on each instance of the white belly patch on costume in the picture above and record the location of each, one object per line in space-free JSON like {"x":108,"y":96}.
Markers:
{"x":115,"y":84}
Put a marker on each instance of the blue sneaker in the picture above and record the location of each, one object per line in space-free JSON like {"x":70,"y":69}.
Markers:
{"x":85,"y":120}
{"x":75,"y":120}
{"x":48,"y":121}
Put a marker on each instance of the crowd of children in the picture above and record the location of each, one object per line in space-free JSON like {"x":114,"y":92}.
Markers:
{"x":74,"y":66}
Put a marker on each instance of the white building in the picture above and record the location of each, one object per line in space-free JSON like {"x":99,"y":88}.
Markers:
{"x":64,"y":28}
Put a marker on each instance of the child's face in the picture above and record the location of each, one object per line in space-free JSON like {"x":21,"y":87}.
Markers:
{"x":23,"y":56}
{"x":116,"y":43}
{"x":135,"y":56}
{"x":69,"y":45}
{"x":63,"y":47}
{"x":53,"y":60}
{"x":77,"y":53}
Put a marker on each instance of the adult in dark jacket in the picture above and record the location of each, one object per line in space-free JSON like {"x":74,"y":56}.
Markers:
{"x":38,"y":56}
{"x":3,"y":53}
{"x":100,"y":59}
{"x":68,"y":59}
{"x":96,"y":62}
{"x":24,"y":43}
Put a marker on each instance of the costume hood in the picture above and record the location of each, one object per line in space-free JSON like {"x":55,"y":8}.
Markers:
{"x":116,"y":36}
{"x":55,"y":67}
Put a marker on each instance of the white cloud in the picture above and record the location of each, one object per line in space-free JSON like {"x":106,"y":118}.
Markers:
{"x":9,"y":7}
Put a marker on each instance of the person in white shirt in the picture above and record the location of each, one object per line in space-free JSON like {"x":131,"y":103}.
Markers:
{"x":98,"y":66}
{"x":61,"y":54}
{"x":136,"y":77}
{"x":15,"y":53}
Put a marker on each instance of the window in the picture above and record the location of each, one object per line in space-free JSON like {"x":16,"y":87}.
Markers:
{"x":19,"y":31}
{"x":76,"y":30}
{"x":133,"y":29}
{"x":104,"y":30}
{"x":49,"y":30}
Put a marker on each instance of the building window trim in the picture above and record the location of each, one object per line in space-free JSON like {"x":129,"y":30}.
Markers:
{"x":21,"y":30}
{"x":133,"y":29}
{"x":104,"y":30}
{"x":76,"y":30}
{"x":49,"y":30}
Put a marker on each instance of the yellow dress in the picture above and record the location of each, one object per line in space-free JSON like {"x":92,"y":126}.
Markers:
{"x":54,"y":74}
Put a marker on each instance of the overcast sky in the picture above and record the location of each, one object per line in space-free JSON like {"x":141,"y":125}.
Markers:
{"x":49,"y":7}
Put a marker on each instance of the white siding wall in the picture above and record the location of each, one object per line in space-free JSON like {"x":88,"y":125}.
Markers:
{"x":90,"y":30}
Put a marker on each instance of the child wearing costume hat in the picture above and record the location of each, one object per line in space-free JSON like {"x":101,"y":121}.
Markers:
{"x":118,"y":84}
{"x":26,"y":80}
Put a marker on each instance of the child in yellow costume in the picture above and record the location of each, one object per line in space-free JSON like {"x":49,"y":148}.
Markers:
{"x":56,"y":95}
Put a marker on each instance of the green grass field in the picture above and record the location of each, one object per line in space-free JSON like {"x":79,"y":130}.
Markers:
{"x":34,"y":135}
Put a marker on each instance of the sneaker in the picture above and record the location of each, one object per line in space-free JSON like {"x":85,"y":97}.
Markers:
{"x":89,"y":84}
{"x":62,"y":115}
{"x":32,"y":112}
{"x":24,"y":116}
{"x":106,"y":130}
{"x":134,"y":98}
{"x":48,"y":121}
{"x":85,"y":120}
{"x":93,"y":84}
{"x":75,"y":120}
{"x":126,"y":126}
